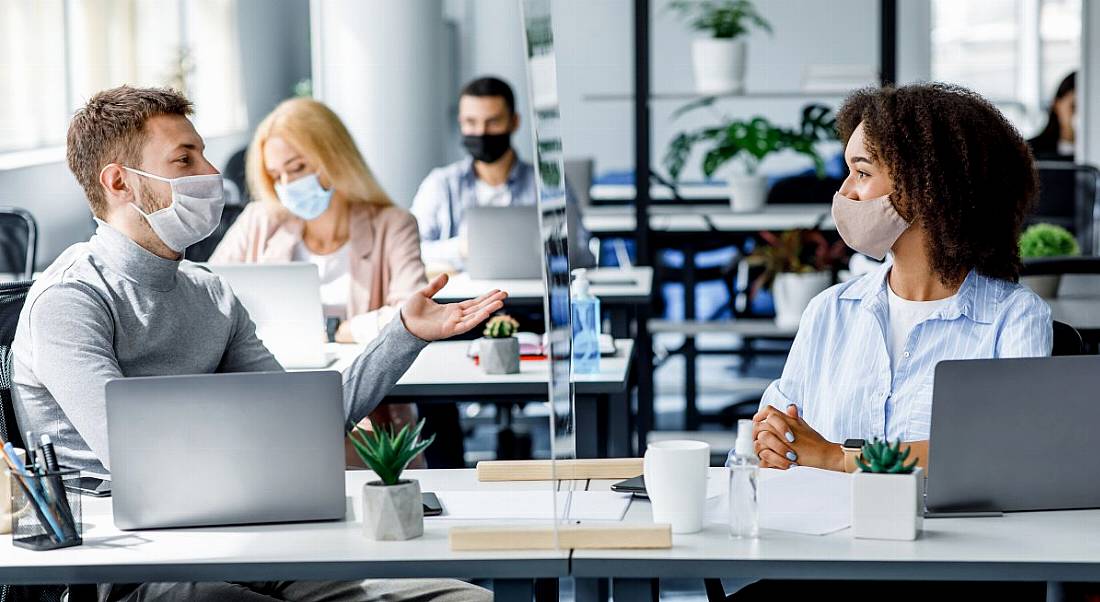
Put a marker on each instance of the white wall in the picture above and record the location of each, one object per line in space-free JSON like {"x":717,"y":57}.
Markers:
{"x":275,"y":54}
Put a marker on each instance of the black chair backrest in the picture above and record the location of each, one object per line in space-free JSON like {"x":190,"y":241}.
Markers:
{"x":1068,"y":196}
{"x":12,"y":296}
{"x":1067,"y":341}
{"x":18,"y":242}
{"x":1046,"y":266}
{"x":803,"y":189}
{"x":202,"y":250}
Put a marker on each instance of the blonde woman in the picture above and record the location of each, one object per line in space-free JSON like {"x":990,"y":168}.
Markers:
{"x":317,"y":201}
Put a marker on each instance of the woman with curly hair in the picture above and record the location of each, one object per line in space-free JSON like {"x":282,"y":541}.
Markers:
{"x":939,"y":186}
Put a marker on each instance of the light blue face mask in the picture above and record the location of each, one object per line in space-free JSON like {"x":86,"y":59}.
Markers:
{"x":304,"y":197}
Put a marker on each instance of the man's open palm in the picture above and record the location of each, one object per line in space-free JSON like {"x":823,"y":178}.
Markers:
{"x":432,"y":321}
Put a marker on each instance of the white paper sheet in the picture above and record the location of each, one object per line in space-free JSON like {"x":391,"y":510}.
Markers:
{"x":803,"y":500}
{"x":531,"y":505}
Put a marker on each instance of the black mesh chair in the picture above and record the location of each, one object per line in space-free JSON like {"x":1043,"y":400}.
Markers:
{"x":202,"y":250}
{"x":18,"y":242}
{"x":1069,"y":196}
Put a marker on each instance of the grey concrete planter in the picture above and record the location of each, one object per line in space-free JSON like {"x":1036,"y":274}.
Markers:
{"x":498,"y":356}
{"x":392,"y":512}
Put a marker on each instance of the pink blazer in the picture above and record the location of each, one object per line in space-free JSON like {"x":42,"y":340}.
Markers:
{"x":385,"y":245}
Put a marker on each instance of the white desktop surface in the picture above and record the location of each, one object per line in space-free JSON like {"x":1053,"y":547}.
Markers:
{"x":948,"y":547}
{"x":320,"y":550}
{"x":609,"y":284}
{"x":444,"y":368}
{"x":693,"y":218}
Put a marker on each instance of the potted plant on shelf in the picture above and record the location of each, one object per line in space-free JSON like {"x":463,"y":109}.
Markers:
{"x":1046,"y":240}
{"x":745,"y":144}
{"x":798,"y":264}
{"x":498,"y":349}
{"x":392,"y":507}
{"x":719,"y":60}
{"x":887,"y":493}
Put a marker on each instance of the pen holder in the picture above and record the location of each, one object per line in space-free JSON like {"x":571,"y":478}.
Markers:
{"x":45,"y":514}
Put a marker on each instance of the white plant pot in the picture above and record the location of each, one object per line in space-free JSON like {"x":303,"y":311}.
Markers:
{"x":747,"y":193}
{"x":719,"y":65}
{"x":793,"y":293}
{"x":392,"y":512}
{"x":887,"y":506}
{"x":498,"y":356}
{"x":1046,"y":286}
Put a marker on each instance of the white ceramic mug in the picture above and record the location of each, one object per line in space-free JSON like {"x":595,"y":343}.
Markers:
{"x":676,"y":481}
{"x":5,"y":494}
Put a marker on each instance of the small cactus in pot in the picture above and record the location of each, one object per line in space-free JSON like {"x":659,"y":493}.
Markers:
{"x":887,"y":493}
{"x":880,"y":457}
{"x":498,"y":349}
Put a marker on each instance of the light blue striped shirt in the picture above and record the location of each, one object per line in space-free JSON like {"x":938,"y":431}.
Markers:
{"x":839,"y":371}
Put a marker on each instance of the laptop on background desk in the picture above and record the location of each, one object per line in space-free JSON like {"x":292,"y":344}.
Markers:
{"x":1014,"y":434}
{"x":504,"y":243}
{"x":226,"y":449}
{"x":284,"y":300}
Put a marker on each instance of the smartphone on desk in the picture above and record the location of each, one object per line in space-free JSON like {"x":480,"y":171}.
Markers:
{"x":635,"y":486}
{"x":91,"y":486}
{"x":432,"y":507}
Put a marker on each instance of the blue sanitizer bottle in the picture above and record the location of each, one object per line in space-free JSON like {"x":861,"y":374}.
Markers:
{"x":586,"y":326}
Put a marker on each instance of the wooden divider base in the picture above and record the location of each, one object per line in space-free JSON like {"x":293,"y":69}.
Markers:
{"x":544,"y":470}
{"x":578,"y":537}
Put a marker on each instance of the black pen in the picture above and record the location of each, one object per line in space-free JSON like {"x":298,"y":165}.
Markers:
{"x":57,"y":487}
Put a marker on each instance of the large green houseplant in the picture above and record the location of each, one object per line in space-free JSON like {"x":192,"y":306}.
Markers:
{"x":719,"y":58}
{"x":797,"y":265}
{"x":745,"y":144}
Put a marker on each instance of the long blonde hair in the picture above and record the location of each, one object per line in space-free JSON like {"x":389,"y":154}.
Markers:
{"x":315,"y":131}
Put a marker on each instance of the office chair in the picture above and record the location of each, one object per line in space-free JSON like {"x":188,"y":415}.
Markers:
{"x":1069,"y":196}
{"x":18,"y":242}
{"x":202,"y":250}
{"x":1067,"y":341}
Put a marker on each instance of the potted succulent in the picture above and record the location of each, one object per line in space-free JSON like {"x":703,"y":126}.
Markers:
{"x":719,"y":59}
{"x":798,"y":264}
{"x":392,"y":507}
{"x":1046,"y":240}
{"x":498,"y":349}
{"x":745,"y":144}
{"x":887,"y":493}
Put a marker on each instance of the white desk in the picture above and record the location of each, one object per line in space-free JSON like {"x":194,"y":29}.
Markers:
{"x":698,"y":219}
{"x":1025,"y":546}
{"x":614,"y":286}
{"x":300,"y":551}
{"x":444,"y":374}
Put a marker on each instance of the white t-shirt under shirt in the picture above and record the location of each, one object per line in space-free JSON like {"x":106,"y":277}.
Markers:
{"x":904,"y":315}
{"x":335,"y":272}
{"x":492,"y":196}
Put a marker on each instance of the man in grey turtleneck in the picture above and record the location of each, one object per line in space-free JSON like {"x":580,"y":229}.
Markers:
{"x":124,"y":304}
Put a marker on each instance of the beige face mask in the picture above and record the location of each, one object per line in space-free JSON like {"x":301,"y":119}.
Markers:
{"x":870,"y":227}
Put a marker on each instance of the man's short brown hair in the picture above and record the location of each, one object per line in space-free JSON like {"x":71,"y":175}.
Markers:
{"x":111,"y":129}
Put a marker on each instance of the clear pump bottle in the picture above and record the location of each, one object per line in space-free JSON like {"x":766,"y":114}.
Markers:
{"x":744,"y":471}
{"x":586,"y":326}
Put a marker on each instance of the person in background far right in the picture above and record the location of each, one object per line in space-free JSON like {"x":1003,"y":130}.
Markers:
{"x":1055,"y":142}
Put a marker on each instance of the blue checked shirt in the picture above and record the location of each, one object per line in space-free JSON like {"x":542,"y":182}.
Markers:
{"x":839,"y":372}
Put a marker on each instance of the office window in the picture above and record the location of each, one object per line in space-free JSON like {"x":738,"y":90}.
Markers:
{"x":1014,"y":52}
{"x":57,"y":53}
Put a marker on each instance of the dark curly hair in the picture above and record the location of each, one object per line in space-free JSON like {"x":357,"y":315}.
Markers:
{"x":960,"y":171}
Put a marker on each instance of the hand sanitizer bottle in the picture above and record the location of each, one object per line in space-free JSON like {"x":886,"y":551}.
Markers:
{"x":744,"y":469}
{"x":586,"y":326}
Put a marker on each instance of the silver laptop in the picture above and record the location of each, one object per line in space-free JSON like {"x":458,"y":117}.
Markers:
{"x":1014,"y":434}
{"x":224,"y":449}
{"x":284,"y":300}
{"x":504,"y":242}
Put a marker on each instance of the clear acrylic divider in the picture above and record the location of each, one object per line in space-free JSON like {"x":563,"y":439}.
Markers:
{"x":545,"y":120}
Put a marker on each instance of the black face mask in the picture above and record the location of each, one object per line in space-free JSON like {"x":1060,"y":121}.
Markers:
{"x":487,"y":148}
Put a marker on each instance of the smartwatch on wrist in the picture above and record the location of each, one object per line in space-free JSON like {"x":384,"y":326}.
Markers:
{"x":852,"y":449}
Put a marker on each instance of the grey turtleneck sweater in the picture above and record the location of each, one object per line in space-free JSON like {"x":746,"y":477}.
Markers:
{"x":108,"y":308}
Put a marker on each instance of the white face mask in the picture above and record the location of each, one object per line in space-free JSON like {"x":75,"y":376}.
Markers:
{"x":194,"y":214}
{"x":870,"y":227}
